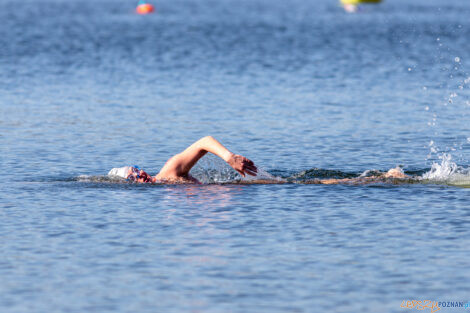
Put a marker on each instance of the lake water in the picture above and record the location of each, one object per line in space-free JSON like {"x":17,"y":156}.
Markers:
{"x":300,"y":87}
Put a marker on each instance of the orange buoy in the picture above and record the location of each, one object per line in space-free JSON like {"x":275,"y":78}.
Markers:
{"x":144,"y":8}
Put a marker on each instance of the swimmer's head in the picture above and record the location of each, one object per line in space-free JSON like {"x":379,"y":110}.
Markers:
{"x":138,"y":175}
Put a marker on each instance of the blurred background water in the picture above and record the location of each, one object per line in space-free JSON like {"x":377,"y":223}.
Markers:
{"x":299,"y":87}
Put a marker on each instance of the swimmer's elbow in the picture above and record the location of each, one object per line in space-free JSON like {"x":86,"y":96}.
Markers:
{"x":208,"y":138}
{"x":204,"y":142}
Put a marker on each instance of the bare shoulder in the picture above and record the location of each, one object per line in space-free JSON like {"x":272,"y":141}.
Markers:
{"x":170,"y":169}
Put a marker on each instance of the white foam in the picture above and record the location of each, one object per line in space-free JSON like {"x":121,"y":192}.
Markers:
{"x":448,"y":171}
{"x":442,"y":171}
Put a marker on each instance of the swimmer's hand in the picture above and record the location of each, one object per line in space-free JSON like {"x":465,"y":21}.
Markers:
{"x":242,"y":165}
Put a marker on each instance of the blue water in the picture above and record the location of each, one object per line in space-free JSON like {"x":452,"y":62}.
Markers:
{"x":300,"y":87}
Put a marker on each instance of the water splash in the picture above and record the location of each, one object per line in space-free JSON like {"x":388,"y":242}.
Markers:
{"x":441,"y":171}
{"x":214,"y":175}
{"x":456,"y":85}
{"x":263,"y":175}
{"x":448,"y":172}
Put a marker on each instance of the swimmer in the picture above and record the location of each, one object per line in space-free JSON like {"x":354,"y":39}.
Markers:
{"x":176,"y":169}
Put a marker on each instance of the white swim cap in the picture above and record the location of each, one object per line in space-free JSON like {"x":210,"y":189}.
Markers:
{"x":122,"y":172}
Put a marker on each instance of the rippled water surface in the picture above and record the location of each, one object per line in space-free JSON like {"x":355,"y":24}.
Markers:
{"x":304,"y":89}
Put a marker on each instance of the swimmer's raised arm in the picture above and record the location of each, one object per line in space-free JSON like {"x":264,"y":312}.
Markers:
{"x":180,"y":164}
